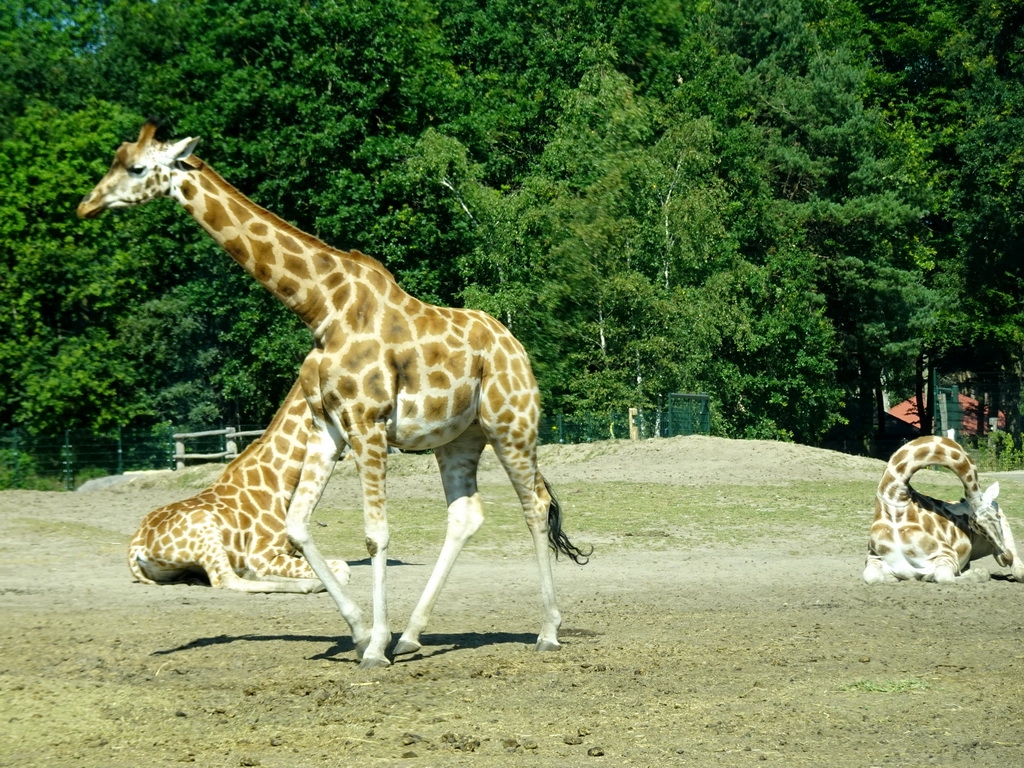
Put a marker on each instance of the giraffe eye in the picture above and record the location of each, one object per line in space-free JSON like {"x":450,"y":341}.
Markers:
{"x":137,"y":170}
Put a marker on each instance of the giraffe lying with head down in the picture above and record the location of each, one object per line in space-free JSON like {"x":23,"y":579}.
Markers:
{"x":234,"y":531}
{"x":914,"y":536}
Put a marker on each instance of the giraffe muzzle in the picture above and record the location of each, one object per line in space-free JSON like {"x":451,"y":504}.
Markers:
{"x":87,"y":209}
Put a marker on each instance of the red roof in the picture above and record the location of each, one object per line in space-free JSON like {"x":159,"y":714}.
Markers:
{"x":969,"y":407}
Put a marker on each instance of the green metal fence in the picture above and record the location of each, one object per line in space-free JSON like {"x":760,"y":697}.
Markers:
{"x":685,"y":415}
{"x":48,"y":462}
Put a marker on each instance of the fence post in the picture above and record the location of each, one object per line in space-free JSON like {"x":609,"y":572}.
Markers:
{"x":120,"y":453}
{"x":69,"y":472}
{"x":17,"y":458}
{"x":169,"y":446}
{"x":230,"y":443}
{"x":943,"y":420}
{"x":179,"y":450}
{"x":634,"y":429}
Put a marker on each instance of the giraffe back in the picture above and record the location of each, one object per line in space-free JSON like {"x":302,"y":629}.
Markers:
{"x":931,"y":450}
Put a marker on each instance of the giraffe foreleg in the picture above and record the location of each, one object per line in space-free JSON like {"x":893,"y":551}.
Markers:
{"x":322,"y":451}
{"x":973,"y":575}
{"x":286,"y":566}
{"x":876,"y":571}
{"x":944,"y":572}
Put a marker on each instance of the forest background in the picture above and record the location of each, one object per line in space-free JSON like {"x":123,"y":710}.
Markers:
{"x":799,"y":207}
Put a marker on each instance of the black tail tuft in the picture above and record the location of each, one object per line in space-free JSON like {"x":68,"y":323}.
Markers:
{"x":557,"y":539}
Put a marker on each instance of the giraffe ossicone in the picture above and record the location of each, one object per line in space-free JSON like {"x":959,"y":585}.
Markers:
{"x":234,"y":531}
{"x":386,"y":370}
{"x":916,"y":537}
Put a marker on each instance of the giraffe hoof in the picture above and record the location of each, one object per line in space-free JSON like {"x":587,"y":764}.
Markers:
{"x":361,"y":646}
{"x":547,"y":645}
{"x":374,"y":663}
{"x":406,"y":646}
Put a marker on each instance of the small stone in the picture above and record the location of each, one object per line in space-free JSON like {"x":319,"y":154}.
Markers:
{"x":572,"y":740}
{"x":595,"y":752}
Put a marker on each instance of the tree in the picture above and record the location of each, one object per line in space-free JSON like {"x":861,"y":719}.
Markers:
{"x":63,"y":294}
{"x":616,"y":263}
{"x":855,"y":189}
{"x":988,"y":199}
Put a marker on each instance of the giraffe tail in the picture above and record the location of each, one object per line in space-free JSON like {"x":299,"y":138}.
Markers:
{"x":557,"y":539}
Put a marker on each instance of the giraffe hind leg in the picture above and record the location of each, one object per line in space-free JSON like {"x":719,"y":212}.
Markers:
{"x":536,"y":501}
{"x":149,"y":571}
{"x":457,"y":462}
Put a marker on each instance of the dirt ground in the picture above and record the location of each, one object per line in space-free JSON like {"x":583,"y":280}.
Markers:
{"x":721,"y":621}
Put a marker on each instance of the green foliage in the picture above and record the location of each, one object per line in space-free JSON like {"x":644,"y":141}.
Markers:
{"x":781,"y":204}
{"x":61,"y":361}
{"x":998,"y":454}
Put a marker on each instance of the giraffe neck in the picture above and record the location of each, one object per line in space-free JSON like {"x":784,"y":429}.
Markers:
{"x":894,"y":490}
{"x":297,"y":268}
{"x":271,"y":464}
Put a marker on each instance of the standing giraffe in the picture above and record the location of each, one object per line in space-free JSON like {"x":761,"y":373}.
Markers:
{"x":386,"y":369}
{"x":234,"y":531}
{"x":914,"y":536}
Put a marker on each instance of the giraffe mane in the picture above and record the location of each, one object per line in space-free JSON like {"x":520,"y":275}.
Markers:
{"x":304,"y":237}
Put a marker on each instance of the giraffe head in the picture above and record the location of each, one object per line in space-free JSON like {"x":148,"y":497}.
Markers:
{"x":986,"y":518}
{"x":141,"y":172}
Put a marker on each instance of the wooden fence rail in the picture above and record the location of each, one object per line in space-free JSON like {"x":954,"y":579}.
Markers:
{"x":230,"y":451}
{"x":45,"y":462}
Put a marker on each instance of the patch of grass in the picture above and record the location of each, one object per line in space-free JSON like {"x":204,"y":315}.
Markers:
{"x":418,"y":526}
{"x":887,"y":686}
{"x":834,"y":514}
{"x":623,"y":514}
{"x":721,"y":514}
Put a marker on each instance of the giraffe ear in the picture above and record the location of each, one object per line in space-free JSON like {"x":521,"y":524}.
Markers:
{"x":175,"y":153}
{"x":181,"y":150}
{"x":990,"y":493}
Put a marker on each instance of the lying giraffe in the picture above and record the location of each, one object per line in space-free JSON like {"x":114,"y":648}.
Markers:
{"x":914,"y":536}
{"x":386,"y":370}
{"x":234,"y":531}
